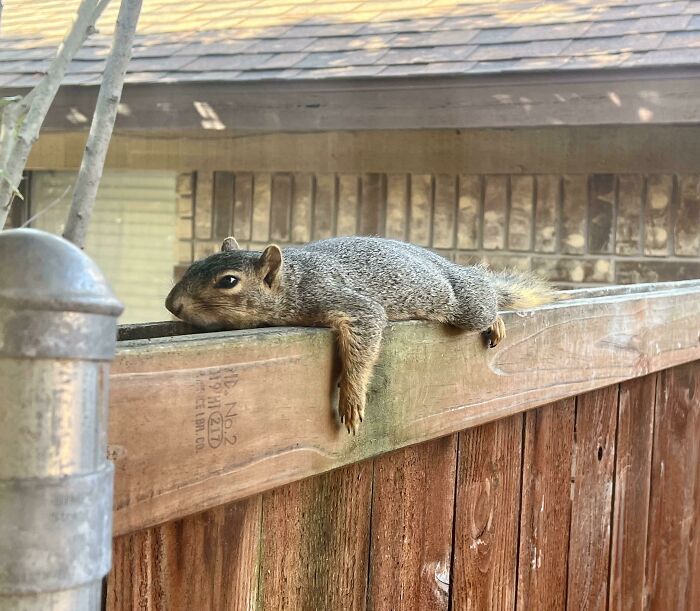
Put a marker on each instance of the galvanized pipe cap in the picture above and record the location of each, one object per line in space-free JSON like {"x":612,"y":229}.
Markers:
{"x":54,"y":301}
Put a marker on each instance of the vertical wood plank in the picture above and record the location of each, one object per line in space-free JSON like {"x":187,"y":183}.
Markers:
{"x":631,"y":506}
{"x":657,"y":214}
{"x":261,"y":207}
{"x":444,"y":211}
{"x":495,"y":205}
{"x":601,"y":214}
{"x":324,"y":206}
{"x":223,"y":204}
{"x":546,"y":507}
{"x":205,"y":561}
{"x":184,"y":187}
{"x":487,"y":515}
{"x":203,"y":205}
{"x":421,"y":200}
{"x":674,"y":475}
{"x":520,"y":220}
{"x":573,"y":215}
{"x":301,"y":208}
{"x":591,"y":506}
{"x":629,"y":216}
{"x":316,"y":542}
{"x":547,"y":213}
{"x":243,"y":207}
{"x":372,"y":204}
{"x":281,"y":207}
{"x":348,"y":187}
{"x":687,"y":222}
{"x":412,"y":514}
{"x":469,"y":212}
{"x":396,"y":224}
{"x":131,"y":583}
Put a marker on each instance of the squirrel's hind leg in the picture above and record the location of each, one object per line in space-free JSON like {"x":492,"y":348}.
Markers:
{"x":495,"y":333}
{"x":476,"y":309}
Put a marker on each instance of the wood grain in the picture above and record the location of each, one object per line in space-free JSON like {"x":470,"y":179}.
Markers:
{"x":546,"y":507}
{"x":635,"y":430}
{"x":316,"y":542}
{"x":223,"y":204}
{"x":271,"y":391}
{"x":591,"y":505}
{"x":674,"y":476}
{"x":205,"y":561}
{"x":373,"y":204}
{"x":412,"y":514}
{"x":558,"y":98}
{"x":487,"y":513}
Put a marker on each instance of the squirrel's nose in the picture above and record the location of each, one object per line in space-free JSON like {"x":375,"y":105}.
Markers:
{"x":173,"y":304}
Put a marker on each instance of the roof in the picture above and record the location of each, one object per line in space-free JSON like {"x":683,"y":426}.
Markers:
{"x":289,"y":40}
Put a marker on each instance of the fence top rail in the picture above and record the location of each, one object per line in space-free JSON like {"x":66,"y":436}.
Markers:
{"x":197,"y":420}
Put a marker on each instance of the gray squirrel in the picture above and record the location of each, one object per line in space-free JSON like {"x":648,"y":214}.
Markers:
{"x":354,"y":285}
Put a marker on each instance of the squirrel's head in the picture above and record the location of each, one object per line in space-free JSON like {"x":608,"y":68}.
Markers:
{"x":232,"y":289}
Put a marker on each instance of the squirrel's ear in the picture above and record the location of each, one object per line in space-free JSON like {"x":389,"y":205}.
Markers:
{"x":269,"y":264}
{"x":230,"y":244}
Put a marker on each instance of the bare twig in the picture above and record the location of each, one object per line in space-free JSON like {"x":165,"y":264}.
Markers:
{"x":55,"y":202}
{"x":102,"y":124}
{"x":22,"y":119}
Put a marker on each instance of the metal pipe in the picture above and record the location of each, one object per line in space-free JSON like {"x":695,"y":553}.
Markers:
{"x":57,"y":336}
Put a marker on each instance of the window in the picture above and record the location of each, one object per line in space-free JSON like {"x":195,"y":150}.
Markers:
{"x":131,"y":235}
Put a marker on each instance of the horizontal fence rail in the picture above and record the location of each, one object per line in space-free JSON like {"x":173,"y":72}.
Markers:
{"x":198,"y":420}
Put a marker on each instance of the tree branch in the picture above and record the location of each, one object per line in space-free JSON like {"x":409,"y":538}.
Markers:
{"x":22,"y":119}
{"x":102,"y":124}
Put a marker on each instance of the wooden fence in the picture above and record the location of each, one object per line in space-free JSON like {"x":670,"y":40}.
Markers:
{"x":560,"y":470}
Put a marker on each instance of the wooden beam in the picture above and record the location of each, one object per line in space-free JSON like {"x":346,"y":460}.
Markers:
{"x":621,"y":97}
{"x":199,"y":420}
{"x":630,"y":149}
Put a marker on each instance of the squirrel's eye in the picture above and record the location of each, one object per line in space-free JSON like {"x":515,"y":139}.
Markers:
{"x":226,"y":282}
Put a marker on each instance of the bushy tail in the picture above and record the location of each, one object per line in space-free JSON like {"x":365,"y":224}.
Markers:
{"x":521,"y":290}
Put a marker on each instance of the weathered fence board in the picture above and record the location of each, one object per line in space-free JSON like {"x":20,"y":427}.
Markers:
{"x":592,"y":497}
{"x":412,"y":515}
{"x":540,"y":500}
{"x":635,"y":429}
{"x":546,"y":507}
{"x":487,"y":513}
{"x":205,"y":561}
{"x":673,"y":517}
{"x":201,"y":420}
{"x":316,"y":542}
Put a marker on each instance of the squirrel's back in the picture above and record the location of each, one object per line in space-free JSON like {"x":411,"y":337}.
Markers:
{"x":392,"y":269}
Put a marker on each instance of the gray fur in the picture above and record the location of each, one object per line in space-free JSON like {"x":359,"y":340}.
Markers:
{"x":353,"y":284}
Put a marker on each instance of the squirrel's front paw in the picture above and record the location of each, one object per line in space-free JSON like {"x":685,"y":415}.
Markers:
{"x":351,"y":412}
{"x":496,"y":332}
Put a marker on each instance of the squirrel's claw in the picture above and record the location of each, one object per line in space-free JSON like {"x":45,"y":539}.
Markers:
{"x":496,"y":332}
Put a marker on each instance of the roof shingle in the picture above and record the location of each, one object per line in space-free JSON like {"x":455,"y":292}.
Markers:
{"x":223,"y":40}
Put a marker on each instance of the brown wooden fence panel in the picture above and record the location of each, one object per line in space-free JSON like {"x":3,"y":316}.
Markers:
{"x":675,"y":471}
{"x":546,"y":507}
{"x":592,"y":497}
{"x":205,"y":561}
{"x":635,"y":430}
{"x":546,"y":510}
{"x":487,"y":516}
{"x":316,"y":542}
{"x":412,"y":515}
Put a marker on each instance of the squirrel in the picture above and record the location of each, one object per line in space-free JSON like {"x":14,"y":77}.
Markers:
{"x":354,"y":285}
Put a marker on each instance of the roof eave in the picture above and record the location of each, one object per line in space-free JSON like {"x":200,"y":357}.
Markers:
{"x":668,"y":95}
